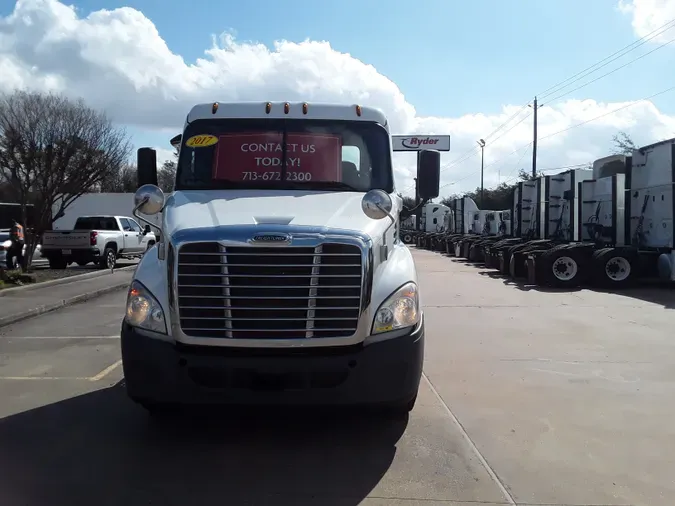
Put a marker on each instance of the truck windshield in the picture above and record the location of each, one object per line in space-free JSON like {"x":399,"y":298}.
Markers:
{"x":284,"y":154}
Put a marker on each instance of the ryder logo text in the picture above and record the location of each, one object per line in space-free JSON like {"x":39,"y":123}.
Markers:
{"x":415,"y":142}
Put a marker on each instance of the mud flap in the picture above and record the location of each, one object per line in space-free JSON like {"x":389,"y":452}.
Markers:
{"x":531,"y":266}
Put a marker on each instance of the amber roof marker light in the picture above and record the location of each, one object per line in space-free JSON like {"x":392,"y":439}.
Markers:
{"x":305,"y":108}
{"x":268,"y":108}
{"x":358,"y":110}
{"x":287,"y":108}
{"x":214,"y":108}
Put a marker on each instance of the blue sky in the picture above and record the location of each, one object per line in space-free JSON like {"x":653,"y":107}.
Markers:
{"x":449,"y":57}
{"x":451,"y":60}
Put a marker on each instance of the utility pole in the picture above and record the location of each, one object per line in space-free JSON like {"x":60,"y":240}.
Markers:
{"x":481,"y":143}
{"x":534,"y":139}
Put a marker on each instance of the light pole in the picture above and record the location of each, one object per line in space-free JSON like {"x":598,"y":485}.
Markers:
{"x":481,"y":143}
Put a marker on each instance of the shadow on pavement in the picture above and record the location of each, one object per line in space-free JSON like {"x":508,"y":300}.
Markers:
{"x":100,"y":449}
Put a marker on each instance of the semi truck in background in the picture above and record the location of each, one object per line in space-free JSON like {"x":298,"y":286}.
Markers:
{"x":433,"y":221}
{"x":609,"y":226}
{"x":279,"y":277}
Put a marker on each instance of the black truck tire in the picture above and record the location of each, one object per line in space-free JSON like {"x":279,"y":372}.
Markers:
{"x":108,"y":259}
{"x":615,"y":267}
{"x":563,"y":267}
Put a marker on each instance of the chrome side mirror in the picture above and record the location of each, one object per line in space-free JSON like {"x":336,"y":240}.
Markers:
{"x":377,"y":204}
{"x":149,"y":200}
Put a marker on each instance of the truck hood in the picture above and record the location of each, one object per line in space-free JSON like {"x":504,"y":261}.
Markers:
{"x":217,"y":208}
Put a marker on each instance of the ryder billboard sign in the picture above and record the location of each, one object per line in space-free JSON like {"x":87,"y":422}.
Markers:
{"x":420,"y":142}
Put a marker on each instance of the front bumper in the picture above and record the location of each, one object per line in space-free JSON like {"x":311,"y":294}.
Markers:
{"x":380,"y":373}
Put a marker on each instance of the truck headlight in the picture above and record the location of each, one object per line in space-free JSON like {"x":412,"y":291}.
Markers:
{"x":143,"y":310}
{"x":400,"y":310}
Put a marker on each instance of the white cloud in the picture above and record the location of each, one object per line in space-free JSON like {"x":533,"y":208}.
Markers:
{"x":650,"y":15}
{"x":118,"y":60}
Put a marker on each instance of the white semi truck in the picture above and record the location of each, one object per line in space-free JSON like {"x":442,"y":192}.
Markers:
{"x":624,"y":229}
{"x":280,"y":277}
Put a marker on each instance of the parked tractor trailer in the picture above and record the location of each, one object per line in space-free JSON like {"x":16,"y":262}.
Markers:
{"x":625,"y":229}
{"x":608,"y":225}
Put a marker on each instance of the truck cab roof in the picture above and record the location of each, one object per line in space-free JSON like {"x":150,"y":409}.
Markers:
{"x":290,"y":110}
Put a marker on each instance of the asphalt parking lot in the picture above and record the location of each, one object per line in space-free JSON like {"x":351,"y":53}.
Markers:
{"x":529,"y":398}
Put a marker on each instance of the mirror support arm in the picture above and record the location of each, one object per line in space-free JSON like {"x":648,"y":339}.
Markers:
{"x":384,"y":248}
{"x":407,"y":213}
{"x":139,"y":217}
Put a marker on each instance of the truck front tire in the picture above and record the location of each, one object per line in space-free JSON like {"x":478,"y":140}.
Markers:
{"x":108,"y":259}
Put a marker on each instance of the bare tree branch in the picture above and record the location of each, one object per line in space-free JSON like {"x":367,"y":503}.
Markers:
{"x":623,"y":144}
{"x":52,"y":150}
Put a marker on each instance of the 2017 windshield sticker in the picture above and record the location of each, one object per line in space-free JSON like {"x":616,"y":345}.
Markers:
{"x":258,"y":157}
{"x":201,"y":141}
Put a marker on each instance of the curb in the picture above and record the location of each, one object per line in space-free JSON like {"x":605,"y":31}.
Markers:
{"x":62,"y":281}
{"x":48,"y":308}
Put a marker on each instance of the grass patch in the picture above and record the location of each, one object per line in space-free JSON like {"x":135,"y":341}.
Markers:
{"x":16,"y":278}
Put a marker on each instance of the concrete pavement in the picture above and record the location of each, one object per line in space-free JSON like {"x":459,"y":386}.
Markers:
{"x":19,"y":304}
{"x":529,"y":397}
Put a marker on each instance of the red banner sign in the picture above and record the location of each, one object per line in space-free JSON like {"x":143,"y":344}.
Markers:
{"x":257,"y":157}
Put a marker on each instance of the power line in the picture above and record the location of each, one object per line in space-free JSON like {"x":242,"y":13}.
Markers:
{"x":611,"y":71}
{"x":630,"y":104}
{"x":613,"y":111}
{"x":621,"y":52}
{"x":471,"y":153}
{"x":514,"y":126}
{"x":565,"y":83}
{"x":515,"y":167}
{"x":506,"y":122}
{"x":475,"y":150}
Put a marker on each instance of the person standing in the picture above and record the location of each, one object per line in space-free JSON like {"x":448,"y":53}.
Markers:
{"x":16,"y":235}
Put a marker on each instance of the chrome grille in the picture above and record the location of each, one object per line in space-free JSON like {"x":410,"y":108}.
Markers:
{"x":250,"y":292}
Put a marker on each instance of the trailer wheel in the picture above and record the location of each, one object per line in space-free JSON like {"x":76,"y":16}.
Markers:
{"x":613,"y":267}
{"x":563,"y":267}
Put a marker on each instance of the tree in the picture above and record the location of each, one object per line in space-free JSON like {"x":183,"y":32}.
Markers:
{"x":623,"y":144}
{"x":408,"y":202}
{"x":166,"y":176}
{"x":497,"y":198}
{"x":120,"y":181}
{"x":52,"y":150}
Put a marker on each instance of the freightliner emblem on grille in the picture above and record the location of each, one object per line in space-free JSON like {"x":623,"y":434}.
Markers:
{"x":271,"y":238}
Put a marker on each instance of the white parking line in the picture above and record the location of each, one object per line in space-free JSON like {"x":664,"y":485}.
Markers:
{"x":509,"y":498}
{"x":40,"y":378}
{"x":58,"y":337}
{"x":106,"y":371}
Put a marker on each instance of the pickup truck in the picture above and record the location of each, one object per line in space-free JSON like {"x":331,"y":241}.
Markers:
{"x":98,"y":239}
